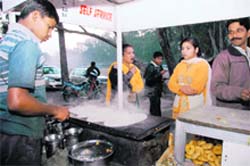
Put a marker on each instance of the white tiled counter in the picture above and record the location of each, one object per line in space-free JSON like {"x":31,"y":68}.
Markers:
{"x":232,"y":126}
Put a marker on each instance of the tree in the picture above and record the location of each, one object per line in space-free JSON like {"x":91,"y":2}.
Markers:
{"x":85,"y":32}
{"x":63,"y":56}
{"x":145,"y":43}
{"x":100,"y":51}
{"x":211,"y":36}
{"x":165,"y":44}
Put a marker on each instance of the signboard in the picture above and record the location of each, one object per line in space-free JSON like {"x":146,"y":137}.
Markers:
{"x":87,"y":15}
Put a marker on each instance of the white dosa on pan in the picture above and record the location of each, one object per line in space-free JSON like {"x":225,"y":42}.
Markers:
{"x":110,"y":118}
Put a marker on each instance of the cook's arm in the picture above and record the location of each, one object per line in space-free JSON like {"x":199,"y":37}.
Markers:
{"x":21,"y":102}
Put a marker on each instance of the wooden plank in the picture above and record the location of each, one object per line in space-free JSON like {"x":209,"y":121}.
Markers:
{"x":219,"y":117}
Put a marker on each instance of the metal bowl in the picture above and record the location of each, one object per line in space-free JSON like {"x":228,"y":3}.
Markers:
{"x":91,"y":152}
{"x":52,"y":143}
{"x":73,"y":131}
{"x":72,"y":136}
{"x":52,"y":138}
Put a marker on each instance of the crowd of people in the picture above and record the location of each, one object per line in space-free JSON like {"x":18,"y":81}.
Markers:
{"x":226,"y":83}
{"x":23,"y":99}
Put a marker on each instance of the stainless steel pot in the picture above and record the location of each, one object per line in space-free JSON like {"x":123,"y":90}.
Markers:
{"x":91,"y":153}
{"x":54,"y":126}
{"x":71,"y":136}
{"x":52,"y":143}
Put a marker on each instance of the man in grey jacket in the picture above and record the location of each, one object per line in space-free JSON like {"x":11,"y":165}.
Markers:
{"x":230,"y":82}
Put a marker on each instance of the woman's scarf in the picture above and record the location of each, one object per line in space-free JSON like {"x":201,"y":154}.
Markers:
{"x":136,"y":80}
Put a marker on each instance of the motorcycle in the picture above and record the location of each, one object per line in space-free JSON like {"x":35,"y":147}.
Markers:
{"x":85,"y":90}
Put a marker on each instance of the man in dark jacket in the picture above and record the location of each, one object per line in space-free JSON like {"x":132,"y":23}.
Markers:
{"x":92,"y":72}
{"x":231,"y":69}
{"x":153,"y":80}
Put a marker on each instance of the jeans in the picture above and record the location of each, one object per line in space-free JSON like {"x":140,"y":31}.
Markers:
{"x":155,"y":105}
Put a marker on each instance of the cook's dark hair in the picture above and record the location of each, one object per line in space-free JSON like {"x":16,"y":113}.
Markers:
{"x":157,"y":54}
{"x":124,"y":46}
{"x":194,"y":42}
{"x":43,"y":6}
{"x":242,"y":21}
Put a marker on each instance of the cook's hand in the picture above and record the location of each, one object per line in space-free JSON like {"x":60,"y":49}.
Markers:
{"x":61,"y":113}
{"x":187,"y":90}
{"x":245,"y":94}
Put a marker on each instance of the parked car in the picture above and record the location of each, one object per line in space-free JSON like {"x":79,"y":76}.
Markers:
{"x":52,"y":76}
{"x":78,"y":75}
{"x":102,"y":79}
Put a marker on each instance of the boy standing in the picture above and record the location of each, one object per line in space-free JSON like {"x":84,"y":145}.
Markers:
{"x":153,"y":80}
{"x":22,"y":88}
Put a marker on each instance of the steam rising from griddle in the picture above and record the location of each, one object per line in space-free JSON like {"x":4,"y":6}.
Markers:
{"x":110,"y":116}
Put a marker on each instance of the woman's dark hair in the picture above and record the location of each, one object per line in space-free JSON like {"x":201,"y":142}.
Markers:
{"x":242,"y":21}
{"x":43,"y":6}
{"x":194,"y":42}
{"x":124,"y":46}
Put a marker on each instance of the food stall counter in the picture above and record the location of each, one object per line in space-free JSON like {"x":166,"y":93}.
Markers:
{"x":232,"y":126}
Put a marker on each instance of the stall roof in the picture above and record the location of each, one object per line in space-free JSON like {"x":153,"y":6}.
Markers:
{"x":145,"y":14}
{"x":132,"y":15}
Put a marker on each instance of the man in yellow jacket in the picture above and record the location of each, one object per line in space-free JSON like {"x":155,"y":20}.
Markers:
{"x":132,"y":79}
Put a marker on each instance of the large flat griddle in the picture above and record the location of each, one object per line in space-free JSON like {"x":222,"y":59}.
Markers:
{"x":138,"y":131}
